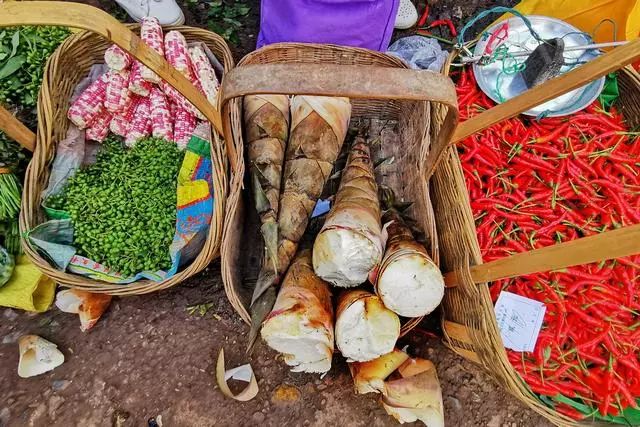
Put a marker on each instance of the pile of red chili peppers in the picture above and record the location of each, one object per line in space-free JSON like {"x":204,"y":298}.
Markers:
{"x":537,"y":183}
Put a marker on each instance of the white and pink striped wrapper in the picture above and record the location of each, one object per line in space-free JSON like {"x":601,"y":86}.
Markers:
{"x":180,"y":100}
{"x":118,"y":95}
{"x":141,"y":123}
{"x":151,"y":35}
{"x":99,"y":129}
{"x":137,"y":84}
{"x":89,"y":104}
{"x":183,"y":127}
{"x":177,"y":54}
{"x":161,"y":121}
{"x":117,"y":59}
{"x":121,"y":122}
{"x":205,"y":74}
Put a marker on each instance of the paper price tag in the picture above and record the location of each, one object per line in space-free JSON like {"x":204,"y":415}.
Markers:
{"x":519,"y":320}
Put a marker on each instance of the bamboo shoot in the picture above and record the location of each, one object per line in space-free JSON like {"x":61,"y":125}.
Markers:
{"x":350,"y":243}
{"x":368,"y":377}
{"x":365,"y":328}
{"x":301,"y":323}
{"x":408,"y":281}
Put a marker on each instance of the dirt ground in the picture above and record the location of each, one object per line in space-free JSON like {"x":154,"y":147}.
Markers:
{"x":149,"y":362}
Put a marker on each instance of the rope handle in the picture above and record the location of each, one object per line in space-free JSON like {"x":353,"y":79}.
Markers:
{"x":497,"y":9}
{"x":16,"y":130}
{"x":92,"y":19}
{"x":612,"y":244}
{"x":352,"y":81}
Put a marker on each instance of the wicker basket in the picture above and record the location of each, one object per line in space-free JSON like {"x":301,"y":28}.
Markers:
{"x":380,"y":87}
{"x":66,"y":67}
{"x":470,"y":325}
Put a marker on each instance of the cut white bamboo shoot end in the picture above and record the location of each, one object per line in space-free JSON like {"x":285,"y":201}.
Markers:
{"x":410,"y":284}
{"x":368,"y":377}
{"x":344,"y":257}
{"x":365,"y":329}
{"x":429,"y":416}
{"x":37,"y":356}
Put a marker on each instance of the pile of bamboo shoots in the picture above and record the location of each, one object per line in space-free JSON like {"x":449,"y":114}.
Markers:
{"x":292,"y":147}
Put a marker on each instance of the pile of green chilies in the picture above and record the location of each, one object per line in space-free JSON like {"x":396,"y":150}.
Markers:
{"x":534,"y":183}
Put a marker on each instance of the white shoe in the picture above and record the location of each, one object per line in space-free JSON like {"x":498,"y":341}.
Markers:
{"x":407,"y":15}
{"x":166,"y":11}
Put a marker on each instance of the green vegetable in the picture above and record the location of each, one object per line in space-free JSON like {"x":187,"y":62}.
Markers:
{"x":23,"y":54}
{"x":9,"y":196}
{"x":123,"y":207}
{"x":10,"y":231}
{"x":6,"y":266}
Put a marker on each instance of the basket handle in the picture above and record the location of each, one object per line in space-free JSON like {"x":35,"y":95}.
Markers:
{"x":89,"y":18}
{"x":352,"y":81}
{"x":612,"y":244}
{"x":601,"y":66}
{"x":16,"y":130}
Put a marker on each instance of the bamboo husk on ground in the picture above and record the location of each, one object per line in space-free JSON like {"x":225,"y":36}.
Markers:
{"x":365,"y":328}
{"x":350,"y":243}
{"x":408,"y":281}
{"x":368,"y":377}
{"x":318,"y":127}
{"x":266,"y":120}
{"x":301,"y":323}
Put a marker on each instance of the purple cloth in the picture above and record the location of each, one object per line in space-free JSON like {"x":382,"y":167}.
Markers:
{"x":359,"y":23}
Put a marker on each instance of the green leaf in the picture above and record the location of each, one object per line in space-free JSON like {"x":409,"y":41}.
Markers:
{"x":11,"y":66}
{"x":243,"y":10}
{"x":15,"y":42}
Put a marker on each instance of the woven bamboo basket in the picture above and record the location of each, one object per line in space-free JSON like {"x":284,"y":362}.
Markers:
{"x":469,"y":322}
{"x":69,"y":64}
{"x":380,"y":87}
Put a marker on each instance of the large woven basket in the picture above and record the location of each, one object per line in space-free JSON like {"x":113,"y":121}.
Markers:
{"x":66,"y":67}
{"x":380,"y":87}
{"x":470,"y":325}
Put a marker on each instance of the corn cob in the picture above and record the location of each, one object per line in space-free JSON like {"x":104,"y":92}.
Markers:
{"x":205,"y":74}
{"x":118,"y":95}
{"x":151,"y":35}
{"x":177,"y":53}
{"x":117,"y":59}
{"x":180,"y":100}
{"x":99,"y":129}
{"x":89,"y":104}
{"x":137,"y":84}
{"x":350,"y":243}
{"x":141,"y":123}
{"x":121,"y":122}
{"x":161,"y":123}
{"x":183,"y":127}
{"x":301,"y":323}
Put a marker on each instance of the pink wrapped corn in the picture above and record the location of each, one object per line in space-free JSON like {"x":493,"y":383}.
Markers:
{"x":182,"y":102}
{"x":161,"y":121}
{"x":183,"y":127}
{"x":99,"y":129}
{"x":151,"y":35}
{"x":140,"y":124}
{"x":89,"y":104}
{"x":137,"y":84}
{"x":205,"y":74}
{"x":121,"y":122}
{"x":117,"y":59}
{"x":118,"y":95}
{"x":177,"y":54}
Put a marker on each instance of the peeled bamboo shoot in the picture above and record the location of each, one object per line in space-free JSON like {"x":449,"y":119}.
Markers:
{"x":365,"y":328}
{"x":416,"y":396}
{"x":266,"y":119}
{"x":318,"y":127}
{"x":408,"y":281}
{"x":368,"y":377}
{"x":301,"y":323}
{"x":350,"y":243}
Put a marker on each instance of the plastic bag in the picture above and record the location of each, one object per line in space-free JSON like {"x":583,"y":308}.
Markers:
{"x":419,"y":52}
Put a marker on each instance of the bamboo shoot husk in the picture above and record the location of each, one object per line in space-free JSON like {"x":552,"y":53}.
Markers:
{"x":350,"y":243}
{"x":416,"y":396}
{"x":365,"y":328}
{"x":88,"y":306}
{"x":318,"y":127}
{"x":266,"y":120}
{"x":301,"y":323}
{"x":408,"y":281}
{"x":368,"y":377}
